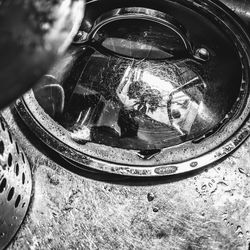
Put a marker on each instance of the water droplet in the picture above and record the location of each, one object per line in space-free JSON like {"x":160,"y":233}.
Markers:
{"x":241,"y":170}
{"x":155,"y":209}
{"x":240,"y":234}
{"x":150,"y":196}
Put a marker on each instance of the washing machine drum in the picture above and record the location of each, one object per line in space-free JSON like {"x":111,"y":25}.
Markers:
{"x":148,"y":88}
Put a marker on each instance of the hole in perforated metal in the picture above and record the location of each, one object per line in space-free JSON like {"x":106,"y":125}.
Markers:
{"x":2,"y":125}
{"x":17,"y":149}
{"x":17,"y":169}
{"x":11,"y":194}
{"x":10,"y":159}
{"x":1,"y":147}
{"x":3,"y":185}
{"x":10,"y":136}
{"x":23,"y":158}
{"x":23,"y":178}
{"x":18,"y":199}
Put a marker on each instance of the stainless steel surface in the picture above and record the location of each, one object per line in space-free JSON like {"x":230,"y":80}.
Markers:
{"x":205,"y":210}
{"x":126,"y":102}
{"x":208,"y":209}
{"x":15,"y":185}
{"x":241,"y":8}
{"x":33,"y":34}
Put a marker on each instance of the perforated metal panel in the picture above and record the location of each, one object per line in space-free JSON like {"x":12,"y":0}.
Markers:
{"x":15,"y":185}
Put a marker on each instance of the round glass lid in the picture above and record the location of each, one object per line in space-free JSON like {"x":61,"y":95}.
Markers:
{"x":146,"y":93}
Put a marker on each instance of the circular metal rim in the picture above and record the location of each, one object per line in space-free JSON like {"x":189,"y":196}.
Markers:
{"x":169,"y":169}
{"x":145,"y":169}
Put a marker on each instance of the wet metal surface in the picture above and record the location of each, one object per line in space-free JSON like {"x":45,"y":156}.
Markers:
{"x":209,"y":209}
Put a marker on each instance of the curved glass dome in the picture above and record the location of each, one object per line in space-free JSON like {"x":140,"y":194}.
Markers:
{"x":140,"y":88}
{"x":142,"y":85}
{"x":131,"y":104}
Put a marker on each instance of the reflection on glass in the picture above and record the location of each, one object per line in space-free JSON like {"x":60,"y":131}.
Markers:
{"x":128,"y":103}
{"x":135,"y":83}
{"x":137,"y":38}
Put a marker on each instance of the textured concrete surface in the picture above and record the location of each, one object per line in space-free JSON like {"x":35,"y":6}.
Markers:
{"x":205,"y":210}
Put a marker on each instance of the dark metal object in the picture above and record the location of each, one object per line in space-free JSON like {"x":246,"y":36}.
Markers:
{"x":32,"y":36}
{"x":221,"y":71}
{"x":15,"y":185}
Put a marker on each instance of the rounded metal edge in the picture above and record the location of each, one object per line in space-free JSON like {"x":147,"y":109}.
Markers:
{"x":162,"y":170}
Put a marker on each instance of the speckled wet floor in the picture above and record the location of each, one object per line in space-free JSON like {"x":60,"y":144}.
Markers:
{"x":205,"y":210}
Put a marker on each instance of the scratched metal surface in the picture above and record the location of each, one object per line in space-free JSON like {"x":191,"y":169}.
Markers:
{"x":205,"y":210}
{"x":240,"y":7}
